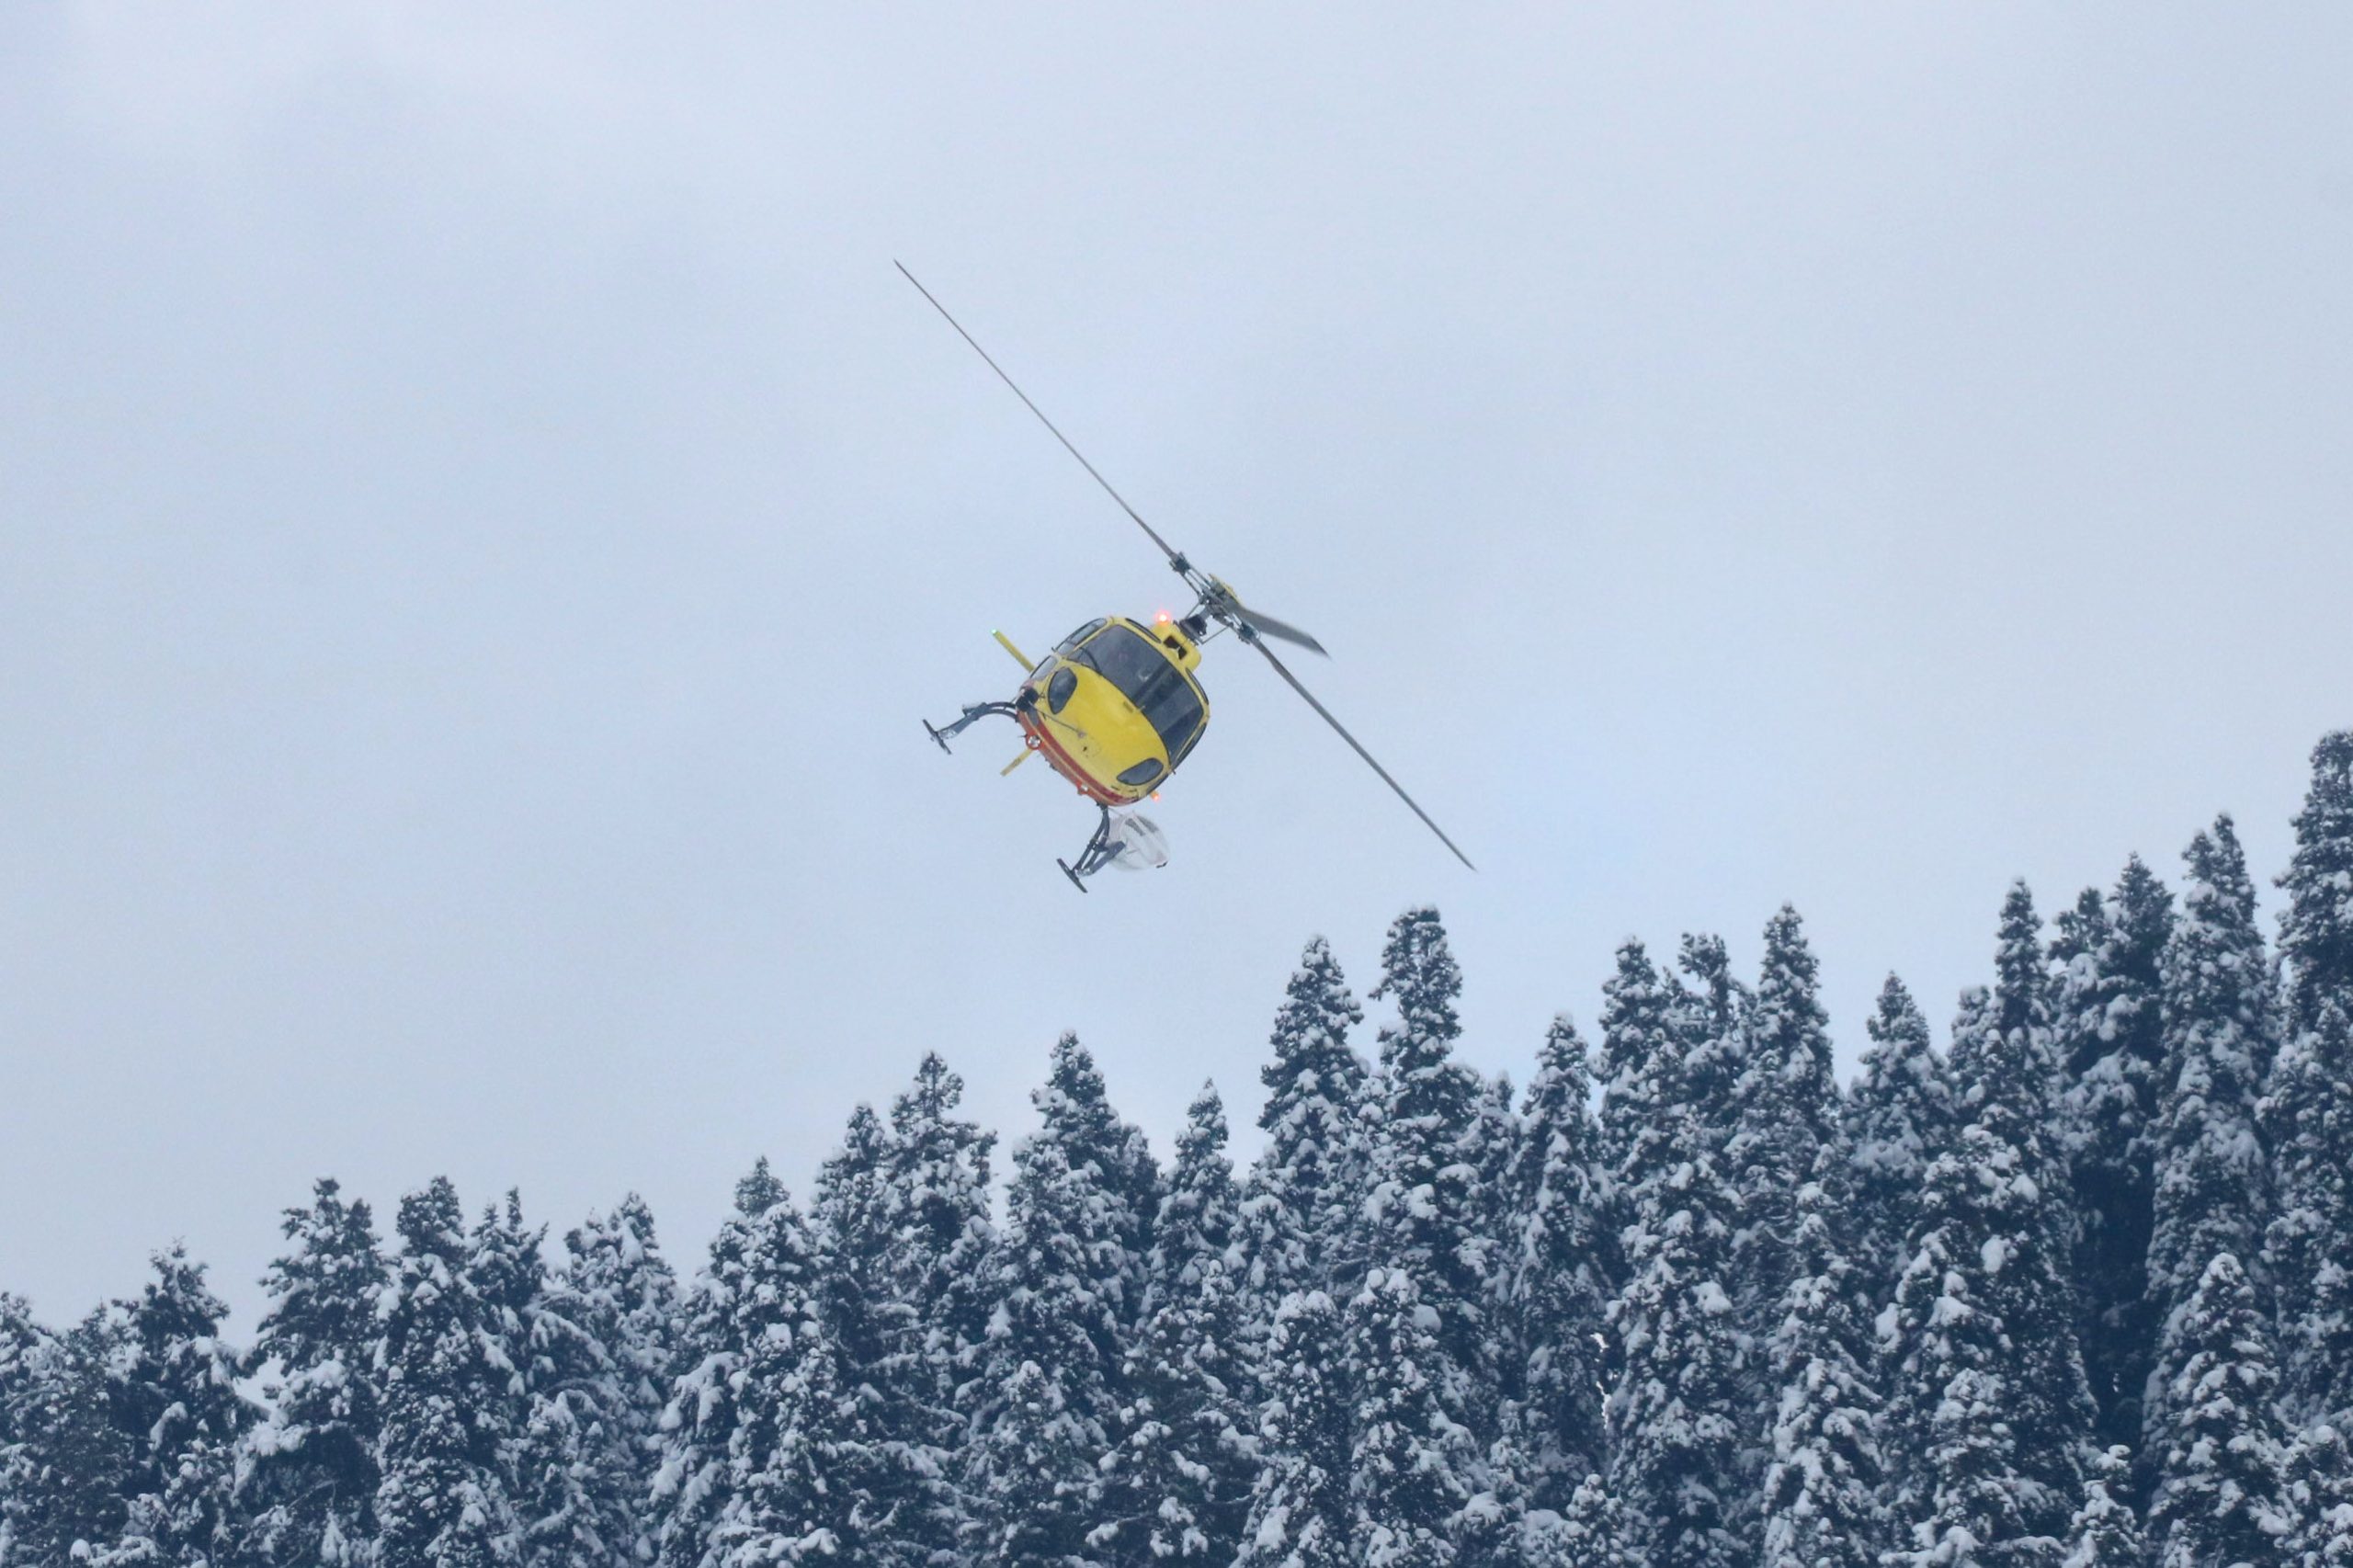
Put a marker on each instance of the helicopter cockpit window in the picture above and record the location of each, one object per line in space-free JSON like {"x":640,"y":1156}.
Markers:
{"x":1081,"y":635}
{"x":1130,"y":661}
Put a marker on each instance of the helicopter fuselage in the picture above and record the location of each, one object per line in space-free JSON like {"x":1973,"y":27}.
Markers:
{"x":1116,"y":706}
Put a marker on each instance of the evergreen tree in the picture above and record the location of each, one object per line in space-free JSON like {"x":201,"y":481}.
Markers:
{"x":2110,"y":1019}
{"x":2210,"y":1181}
{"x":1425,"y":1205}
{"x":2316,"y":932}
{"x":448,"y":1424}
{"x":796,"y":1436}
{"x":600,"y":1339}
{"x":874,"y":1332}
{"x":1047,"y":1401}
{"x":703,"y":1439}
{"x":1427,"y":1221}
{"x":2308,"y":1109}
{"x":1301,"y":1206}
{"x":508,"y":1272}
{"x":2105,"y":1532}
{"x":1555,"y":1293}
{"x":2020,"y":1016}
{"x":2221,"y":1494}
{"x":24,"y":1346}
{"x":1589,"y":1533}
{"x":2308,"y":1103}
{"x":1787,"y":1106}
{"x":2009,"y":1076}
{"x":1639,"y":1066}
{"x":1901,"y":1112}
{"x":1989,"y":1409}
{"x":1675,"y":1408}
{"x":71,"y":1464}
{"x":942,"y":1239}
{"x":1413,"y":1465}
{"x":1078,"y":1114}
{"x":175,"y":1392}
{"x":1822,"y":1485}
{"x":1301,"y":1514}
{"x":1181,"y":1481}
{"x":2321,"y":1496}
{"x":309,"y":1476}
{"x":1489,"y":1148}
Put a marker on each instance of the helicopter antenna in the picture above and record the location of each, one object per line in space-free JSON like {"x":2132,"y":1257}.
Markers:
{"x":1283,"y":670}
{"x":1174,"y":559}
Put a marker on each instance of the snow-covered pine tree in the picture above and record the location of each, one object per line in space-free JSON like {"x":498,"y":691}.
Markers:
{"x":1554,"y":1292}
{"x":1045,"y":1411}
{"x":2021,"y":1017}
{"x":71,"y":1462}
{"x":796,"y":1434}
{"x":1300,"y":1510}
{"x":1489,"y":1149}
{"x":1302,"y":1203}
{"x":23,"y":1346}
{"x":601,"y":1356}
{"x":1180,"y":1484}
{"x":942,"y":1238}
{"x":698,"y":1469}
{"x":2221,"y":1494}
{"x":1077,"y":1113}
{"x":1785,"y":1111}
{"x":509,"y":1274}
{"x":2308,"y":1103}
{"x":1589,"y":1533}
{"x":1900,"y":1114}
{"x":308,"y":1477}
{"x":1675,"y":1409}
{"x":176,"y":1390}
{"x":2317,"y":931}
{"x":1823,"y":1483}
{"x":447,"y":1430}
{"x":1787,"y":1106}
{"x":2017,"y":1060}
{"x":2210,"y":1190}
{"x":2105,"y":1533}
{"x":875,"y":1333}
{"x":2110,"y":1019}
{"x":1414,"y":1467}
{"x":1423,"y":1208}
{"x":1639,"y":1066}
{"x":1426,"y":1216}
{"x":1988,"y":1407}
{"x":1047,"y":1401}
{"x":2321,"y":1496}
{"x":2307,"y":1111}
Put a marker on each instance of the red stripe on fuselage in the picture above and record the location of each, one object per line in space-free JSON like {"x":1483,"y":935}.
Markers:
{"x":1068,"y":766}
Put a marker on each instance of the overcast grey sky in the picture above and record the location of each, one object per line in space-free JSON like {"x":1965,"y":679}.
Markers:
{"x":480,"y":518}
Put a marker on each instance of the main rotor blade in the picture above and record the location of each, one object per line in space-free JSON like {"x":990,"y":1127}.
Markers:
{"x":1165,"y":548}
{"x":1282,"y":670}
{"x":1260,"y":622}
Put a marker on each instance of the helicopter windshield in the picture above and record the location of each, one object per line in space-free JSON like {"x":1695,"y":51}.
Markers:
{"x":1145,"y":675}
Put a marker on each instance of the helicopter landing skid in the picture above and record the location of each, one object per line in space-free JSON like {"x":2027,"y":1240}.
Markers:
{"x":978,"y":710}
{"x":1097,"y":853}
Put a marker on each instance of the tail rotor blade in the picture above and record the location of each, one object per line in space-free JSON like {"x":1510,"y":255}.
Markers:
{"x":1358,"y":748}
{"x":1267,"y":626}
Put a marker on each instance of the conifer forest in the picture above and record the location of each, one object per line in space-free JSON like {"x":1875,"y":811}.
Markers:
{"x":2068,"y":1283}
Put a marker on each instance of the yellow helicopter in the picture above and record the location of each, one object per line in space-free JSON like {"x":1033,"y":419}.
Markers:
{"x":1117,"y":706}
